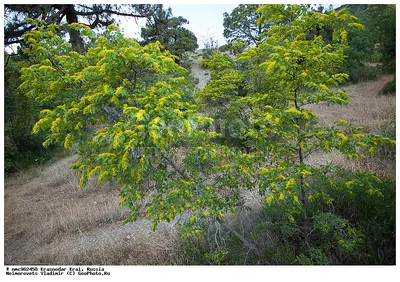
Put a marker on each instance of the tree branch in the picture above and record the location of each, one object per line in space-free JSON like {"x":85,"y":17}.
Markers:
{"x":8,"y":59}
{"x":239,"y":236}
{"x":112,"y":115}
{"x":171,"y":162}
{"x":106,"y":11}
{"x":220,"y":221}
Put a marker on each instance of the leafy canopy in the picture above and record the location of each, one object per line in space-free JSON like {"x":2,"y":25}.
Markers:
{"x":122,"y":104}
{"x":92,"y":15}
{"x":300,"y":68}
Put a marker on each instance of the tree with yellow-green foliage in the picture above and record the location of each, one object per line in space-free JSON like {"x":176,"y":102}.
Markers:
{"x":299,"y":69}
{"x":122,"y":104}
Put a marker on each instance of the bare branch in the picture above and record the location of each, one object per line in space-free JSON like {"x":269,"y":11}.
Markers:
{"x":107,"y":11}
{"x":112,"y":115}
{"x":239,"y":236}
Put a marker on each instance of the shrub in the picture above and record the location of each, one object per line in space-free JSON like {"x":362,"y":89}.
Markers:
{"x":390,"y":88}
{"x":23,"y":151}
{"x":389,"y":129}
{"x":363,"y":73}
{"x":360,"y":231}
{"x":225,"y":48}
{"x":370,"y":209}
{"x":389,"y":67}
{"x":313,"y":256}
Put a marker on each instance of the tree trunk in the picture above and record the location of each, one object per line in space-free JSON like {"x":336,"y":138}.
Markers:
{"x":302,"y":188}
{"x":71,"y":17}
{"x":75,"y":38}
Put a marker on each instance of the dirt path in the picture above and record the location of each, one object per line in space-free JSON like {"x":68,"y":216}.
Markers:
{"x":198,"y":72}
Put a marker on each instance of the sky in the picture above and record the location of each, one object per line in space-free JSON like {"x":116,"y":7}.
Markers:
{"x":205,"y":21}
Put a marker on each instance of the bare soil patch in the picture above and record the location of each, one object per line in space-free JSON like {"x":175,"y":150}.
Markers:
{"x":203,"y":75}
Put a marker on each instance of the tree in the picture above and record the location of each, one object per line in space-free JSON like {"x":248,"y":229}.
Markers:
{"x":241,"y":24}
{"x":218,"y":96}
{"x":149,"y":140}
{"x":380,"y":29}
{"x":301,"y":69}
{"x":380,"y":21}
{"x":376,"y":43}
{"x":20,"y":114}
{"x":96,"y":15}
{"x":168,"y":30}
{"x":152,"y":143}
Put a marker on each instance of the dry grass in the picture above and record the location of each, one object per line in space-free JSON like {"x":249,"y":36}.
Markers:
{"x":48,"y":220}
{"x":366,"y":108}
{"x":131,"y":244}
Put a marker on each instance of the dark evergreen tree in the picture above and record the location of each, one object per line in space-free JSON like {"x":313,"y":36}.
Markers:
{"x":94,"y":15}
{"x":169,"y":31}
{"x":242,"y":25}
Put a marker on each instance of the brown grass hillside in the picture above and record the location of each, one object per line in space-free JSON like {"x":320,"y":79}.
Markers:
{"x":48,"y":220}
{"x":367,"y":108}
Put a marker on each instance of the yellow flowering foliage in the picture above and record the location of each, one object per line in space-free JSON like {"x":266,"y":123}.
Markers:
{"x":342,"y":136}
{"x":125,"y":104}
{"x":140,"y":115}
{"x":293,"y":111}
{"x":68,"y":141}
{"x":290,"y":183}
{"x":144,"y":133}
{"x":269,"y":199}
{"x":301,"y":69}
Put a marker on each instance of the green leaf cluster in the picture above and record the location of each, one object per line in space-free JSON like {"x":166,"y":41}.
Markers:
{"x":122,"y":103}
{"x":297,"y":67}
